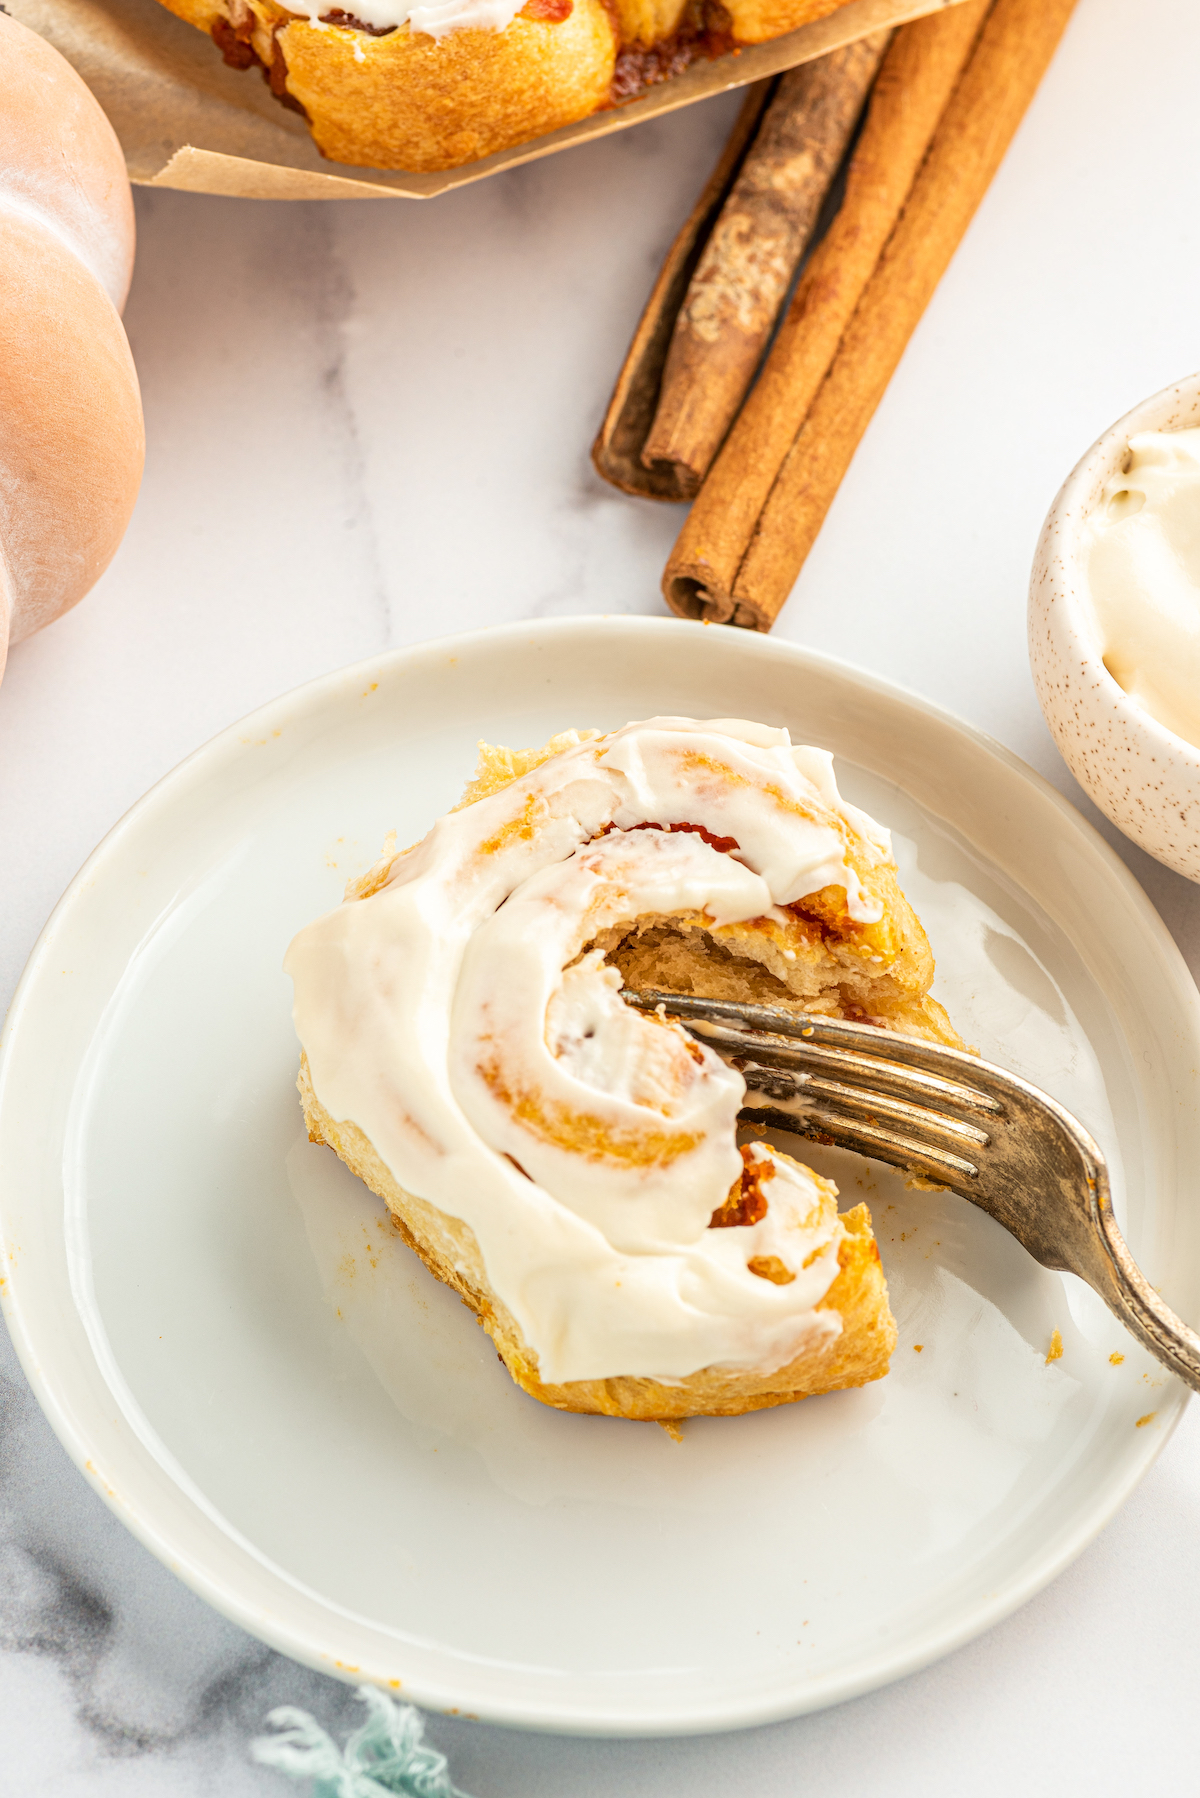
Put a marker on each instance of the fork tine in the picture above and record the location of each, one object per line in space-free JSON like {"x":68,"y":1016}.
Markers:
{"x":852,"y":1053}
{"x":868,"y":1106}
{"x":901,"y":1151}
{"x":800,"y":1092}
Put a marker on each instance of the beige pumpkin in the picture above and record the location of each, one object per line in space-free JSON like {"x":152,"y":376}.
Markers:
{"x":71,"y":435}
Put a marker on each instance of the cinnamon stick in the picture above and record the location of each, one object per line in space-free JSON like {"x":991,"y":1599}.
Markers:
{"x":746,"y":267}
{"x":618,"y":447}
{"x":1009,"y":59}
{"x":911,"y":92}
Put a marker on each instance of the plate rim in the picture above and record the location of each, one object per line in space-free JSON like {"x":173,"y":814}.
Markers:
{"x":914,"y":1651}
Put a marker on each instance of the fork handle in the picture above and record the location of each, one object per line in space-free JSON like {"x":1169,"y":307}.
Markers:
{"x":1116,"y":1276}
{"x":1084,"y":1238}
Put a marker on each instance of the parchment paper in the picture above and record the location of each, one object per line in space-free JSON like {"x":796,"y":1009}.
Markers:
{"x":187,"y":121}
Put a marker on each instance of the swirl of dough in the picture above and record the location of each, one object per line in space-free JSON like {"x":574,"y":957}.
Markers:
{"x":463,"y":1017}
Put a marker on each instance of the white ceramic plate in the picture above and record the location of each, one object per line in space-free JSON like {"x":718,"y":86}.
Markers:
{"x":273,"y":1394}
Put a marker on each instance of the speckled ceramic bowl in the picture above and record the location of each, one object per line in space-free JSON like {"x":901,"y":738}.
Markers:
{"x":1140,"y":773}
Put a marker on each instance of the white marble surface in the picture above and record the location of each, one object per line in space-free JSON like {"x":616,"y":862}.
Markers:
{"x":368,"y":424}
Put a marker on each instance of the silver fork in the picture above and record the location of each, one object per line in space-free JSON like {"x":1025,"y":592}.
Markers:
{"x":953,"y":1120}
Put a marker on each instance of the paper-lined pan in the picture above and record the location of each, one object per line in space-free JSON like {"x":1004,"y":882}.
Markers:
{"x":187,"y":121}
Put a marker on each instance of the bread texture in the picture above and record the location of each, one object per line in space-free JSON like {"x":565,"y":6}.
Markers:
{"x":399,"y":99}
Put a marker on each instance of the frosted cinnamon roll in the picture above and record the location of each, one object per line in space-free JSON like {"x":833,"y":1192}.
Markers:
{"x":571,"y":1165}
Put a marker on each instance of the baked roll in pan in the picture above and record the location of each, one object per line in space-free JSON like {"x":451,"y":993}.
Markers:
{"x":434,"y":86}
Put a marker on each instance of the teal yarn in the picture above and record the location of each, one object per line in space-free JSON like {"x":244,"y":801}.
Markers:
{"x":387,"y":1755}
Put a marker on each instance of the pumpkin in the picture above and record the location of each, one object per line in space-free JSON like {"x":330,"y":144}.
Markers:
{"x":71,"y":434}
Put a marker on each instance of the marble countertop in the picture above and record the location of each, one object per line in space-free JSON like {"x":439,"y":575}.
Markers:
{"x":368,"y":424}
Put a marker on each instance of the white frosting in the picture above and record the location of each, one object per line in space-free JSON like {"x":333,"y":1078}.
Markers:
{"x":1143,"y":568}
{"x":435,"y":18}
{"x":500,"y":1076}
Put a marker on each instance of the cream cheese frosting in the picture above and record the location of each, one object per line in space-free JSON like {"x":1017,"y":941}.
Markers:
{"x":434,"y":17}
{"x":460,"y":1017}
{"x":1143,"y":576}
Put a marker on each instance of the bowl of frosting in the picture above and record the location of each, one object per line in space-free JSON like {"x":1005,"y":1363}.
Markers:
{"x":1114,"y":624}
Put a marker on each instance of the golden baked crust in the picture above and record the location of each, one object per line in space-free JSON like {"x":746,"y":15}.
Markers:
{"x":450,"y":1250}
{"x":405,"y":101}
{"x":757,"y":21}
{"x":415,"y":103}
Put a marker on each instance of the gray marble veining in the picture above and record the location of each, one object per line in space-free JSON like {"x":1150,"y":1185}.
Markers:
{"x":143,"y":1670}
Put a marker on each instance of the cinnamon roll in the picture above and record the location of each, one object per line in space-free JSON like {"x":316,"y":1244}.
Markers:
{"x":435,"y":84}
{"x":569,"y":1164}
